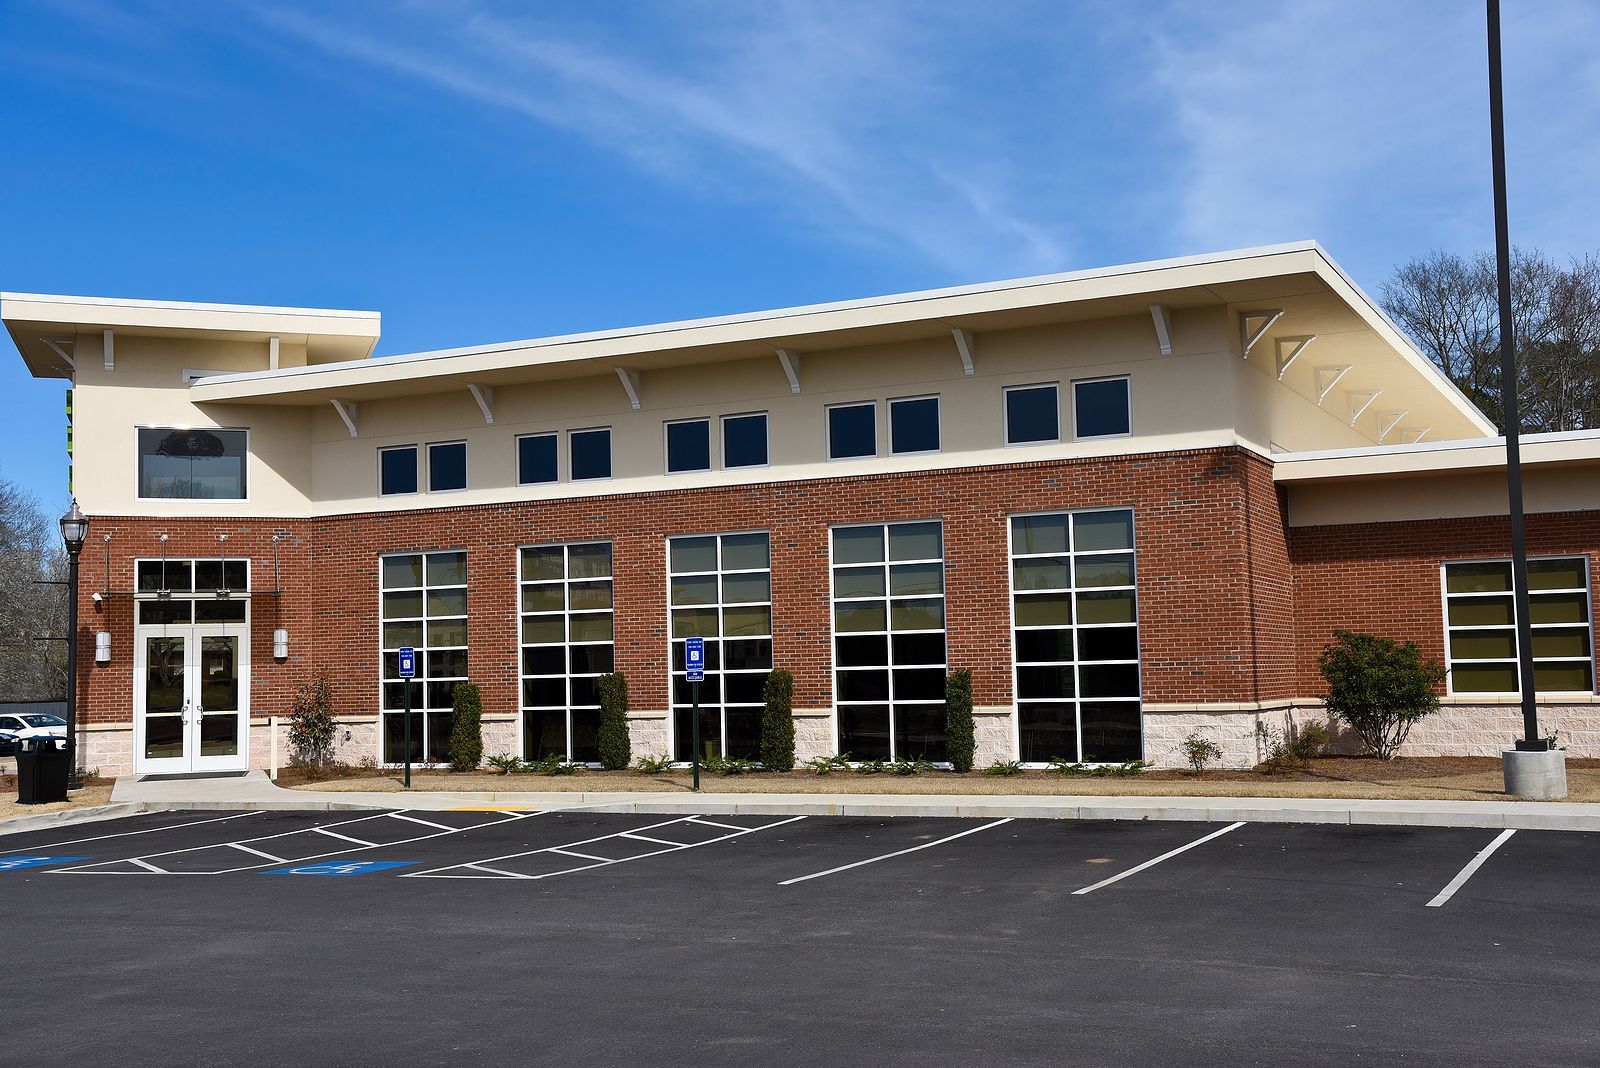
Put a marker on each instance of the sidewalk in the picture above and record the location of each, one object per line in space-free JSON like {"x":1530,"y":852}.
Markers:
{"x":256,"y":791}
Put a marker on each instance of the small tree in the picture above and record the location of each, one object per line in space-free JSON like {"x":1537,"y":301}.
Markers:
{"x":616,"y":751}
{"x":1200,"y":750}
{"x":777,"y":722}
{"x":1379,"y":687}
{"x":466,"y":728}
{"x":961,"y":740}
{"x":311,"y":724}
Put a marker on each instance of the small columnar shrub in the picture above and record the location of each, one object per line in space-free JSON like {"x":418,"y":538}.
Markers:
{"x":466,"y":728}
{"x":311,"y":724}
{"x":616,"y":751}
{"x":960,"y":732}
{"x":777,"y":722}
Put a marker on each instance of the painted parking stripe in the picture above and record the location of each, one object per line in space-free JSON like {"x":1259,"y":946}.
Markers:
{"x":483,"y":869}
{"x":125,"y":834}
{"x":150,"y":863}
{"x":342,"y":867}
{"x":1466,"y":873}
{"x":343,"y":837}
{"x":897,"y":853}
{"x":19,"y":863}
{"x":1153,"y":861}
{"x":425,"y":823}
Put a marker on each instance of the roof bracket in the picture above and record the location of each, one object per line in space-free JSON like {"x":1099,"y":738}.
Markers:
{"x":790,"y":361}
{"x":1387,"y":421}
{"x":272,"y":353}
{"x":1327,"y":378}
{"x":1161,"y":315}
{"x":484,"y":395}
{"x":111,"y":351}
{"x":630,"y":384}
{"x":347,"y":412}
{"x":55,"y":344}
{"x":1416,"y":433}
{"x":1247,"y":337}
{"x":1296,"y":346}
{"x":964,"y":349}
{"x":1367,"y":397}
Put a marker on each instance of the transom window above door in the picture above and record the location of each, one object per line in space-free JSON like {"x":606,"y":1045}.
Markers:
{"x":192,"y":590}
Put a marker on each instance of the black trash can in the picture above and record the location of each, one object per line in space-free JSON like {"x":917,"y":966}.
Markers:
{"x":41,"y":770}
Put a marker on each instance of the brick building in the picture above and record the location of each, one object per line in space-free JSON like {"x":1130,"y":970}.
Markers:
{"x":1132,"y":501}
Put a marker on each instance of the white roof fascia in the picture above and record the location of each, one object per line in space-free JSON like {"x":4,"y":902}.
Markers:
{"x":1434,"y":456}
{"x":180,"y":305}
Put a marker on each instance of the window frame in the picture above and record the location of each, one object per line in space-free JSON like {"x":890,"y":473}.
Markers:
{"x":519,"y":615}
{"x":611,"y":454}
{"x":766,"y":435}
{"x":938,"y":423}
{"x":244,"y":468}
{"x":1005,"y":414}
{"x":827,"y":432}
{"x":417,"y":457}
{"x":666,"y":446}
{"x":1450,"y":661}
{"x":1128,"y":396}
{"x":1073,"y":555}
{"x":554,"y":435}
{"x":422,"y":707}
{"x":466,"y":471}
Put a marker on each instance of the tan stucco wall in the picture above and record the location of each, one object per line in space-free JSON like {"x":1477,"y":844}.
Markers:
{"x":1545,"y":489}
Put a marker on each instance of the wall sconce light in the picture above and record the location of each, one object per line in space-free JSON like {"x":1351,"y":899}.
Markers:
{"x":280,"y":644}
{"x":102,"y":647}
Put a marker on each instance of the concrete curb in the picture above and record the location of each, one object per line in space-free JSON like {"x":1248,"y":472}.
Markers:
{"x":68,"y":817}
{"x":257,"y":792}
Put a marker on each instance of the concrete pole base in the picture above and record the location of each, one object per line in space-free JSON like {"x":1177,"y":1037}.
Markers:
{"x":1536,"y":776}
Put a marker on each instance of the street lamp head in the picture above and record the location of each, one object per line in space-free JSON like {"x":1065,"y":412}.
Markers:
{"x":74,"y":530}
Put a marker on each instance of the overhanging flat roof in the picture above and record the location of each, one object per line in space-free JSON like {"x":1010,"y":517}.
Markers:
{"x":1478,"y":454}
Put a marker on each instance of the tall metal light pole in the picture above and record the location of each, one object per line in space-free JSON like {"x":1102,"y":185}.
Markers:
{"x":74,"y":531}
{"x":1530,"y":741}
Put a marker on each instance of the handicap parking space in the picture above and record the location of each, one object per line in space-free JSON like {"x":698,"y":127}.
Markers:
{"x":138,"y":833}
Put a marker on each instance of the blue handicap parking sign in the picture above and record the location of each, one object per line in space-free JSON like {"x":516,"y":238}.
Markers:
{"x":341,"y":867}
{"x":18,"y":863}
{"x":408,"y":662}
{"x":694,"y":659}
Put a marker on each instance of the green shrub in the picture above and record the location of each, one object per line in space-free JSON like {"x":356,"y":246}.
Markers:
{"x":1380,"y":687}
{"x":723,"y":765}
{"x":311,"y":724}
{"x":505,"y":763}
{"x":871,"y":767}
{"x":827,"y":765}
{"x":553,"y":764}
{"x":777,"y":722}
{"x":1004,"y":767}
{"x":466,"y":728}
{"x":1199,"y":750}
{"x":616,"y":751}
{"x":960,"y":733}
{"x":654,"y":765}
{"x":1063,"y":766}
{"x":909,"y":767}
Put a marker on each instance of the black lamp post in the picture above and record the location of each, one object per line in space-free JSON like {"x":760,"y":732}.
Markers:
{"x":74,"y":531}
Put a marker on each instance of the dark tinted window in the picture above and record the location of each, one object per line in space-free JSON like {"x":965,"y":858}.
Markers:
{"x":536,"y":459}
{"x":397,"y":470}
{"x":914,"y":425}
{"x":447,"y":466}
{"x":1100,"y":409}
{"x":689,"y":446}
{"x":1032,"y":414}
{"x":852,"y":431}
{"x":744,"y":441}
{"x":193,"y":464}
{"x":590,"y":452}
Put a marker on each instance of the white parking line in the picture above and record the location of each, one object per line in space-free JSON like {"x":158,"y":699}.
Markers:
{"x":244,"y":848}
{"x":125,"y":834}
{"x":1466,"y":873}
{"x":1137,"y":868}
{"x":899,"y":853}
{"x":343,"y":837}
{"x":425,"y":823}
{"x":599,"y":862}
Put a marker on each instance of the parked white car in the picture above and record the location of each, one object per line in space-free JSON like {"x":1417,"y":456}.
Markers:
{"x":29,"y":725}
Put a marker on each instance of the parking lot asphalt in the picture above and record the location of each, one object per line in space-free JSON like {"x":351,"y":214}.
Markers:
{"x":491,"y":937}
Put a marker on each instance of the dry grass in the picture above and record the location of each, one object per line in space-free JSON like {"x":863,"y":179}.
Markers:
{"x":1423,"y":778}
{"x":95,"y":792}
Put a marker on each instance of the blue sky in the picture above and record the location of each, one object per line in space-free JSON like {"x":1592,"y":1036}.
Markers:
{"x":480,"y":171}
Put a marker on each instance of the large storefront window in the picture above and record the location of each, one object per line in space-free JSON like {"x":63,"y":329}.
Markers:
{"x":1482,"y":634}
{"x":720,"y":586}
{"x":424,"y":606}
{"x":888,"y":640}
{"x":1075,"y":637}
{"x":192,"y":464}
{"x":567,"y":645}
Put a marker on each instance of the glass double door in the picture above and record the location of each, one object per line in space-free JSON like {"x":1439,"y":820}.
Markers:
{"x":191,"y":699}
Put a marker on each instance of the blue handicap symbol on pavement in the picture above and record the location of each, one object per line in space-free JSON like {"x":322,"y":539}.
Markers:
{"x":341,"y":867}
{"x":18,"y":863}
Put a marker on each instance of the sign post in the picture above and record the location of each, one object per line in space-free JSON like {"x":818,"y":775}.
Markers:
{"x":408,"y":671}
{"x":694,"y":665}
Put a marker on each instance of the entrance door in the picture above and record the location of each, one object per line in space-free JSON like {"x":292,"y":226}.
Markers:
{"x":191,"y":698}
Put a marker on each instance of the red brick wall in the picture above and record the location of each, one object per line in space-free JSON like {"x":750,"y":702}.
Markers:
{"x":1384,"y":577}
{"x":1213,"y":580}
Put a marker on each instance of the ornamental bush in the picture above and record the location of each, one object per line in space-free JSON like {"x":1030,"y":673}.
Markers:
{"x":616,"y":751}
{"x":777,"y":722}
{"x":1379,"y":687}
{"x":961,"y":740}
{"x":466,"y":728}
{"x":311,"y":724}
